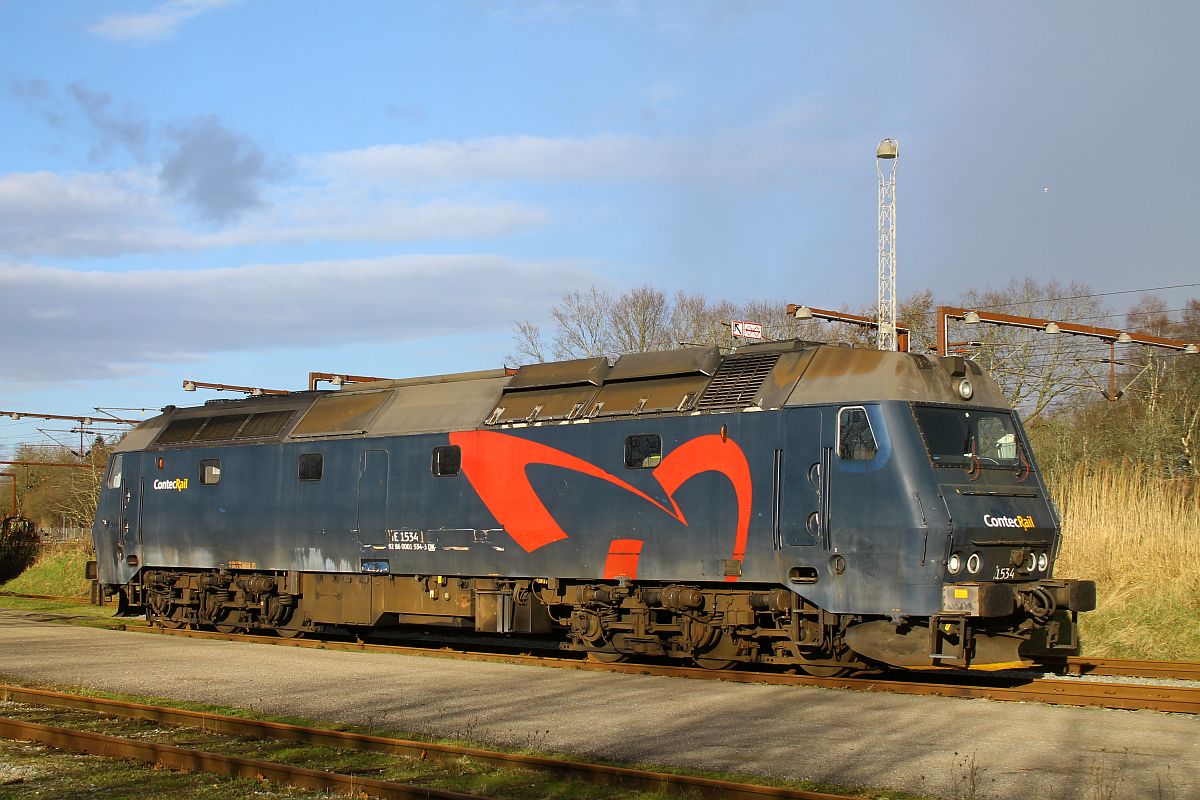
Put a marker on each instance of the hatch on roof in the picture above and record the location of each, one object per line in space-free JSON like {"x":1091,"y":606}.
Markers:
{"x":341,"y":414}
{"x":663,"y":363}
{"x":648,"y":383}
{"x":560,"y":373}
{"x":225,"y":427}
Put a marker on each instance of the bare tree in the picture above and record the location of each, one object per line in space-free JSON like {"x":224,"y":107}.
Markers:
{"x":696,"y":321}
{"x":60,"y":495}
{"x":528,"y":347}
{"x":640,"y":321}
{"x":916,"y":312}
{"x":1036,"y":370}
{"x":582,"y":324}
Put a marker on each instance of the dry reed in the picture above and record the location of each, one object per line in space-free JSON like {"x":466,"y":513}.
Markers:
{"x":1138,"y":536}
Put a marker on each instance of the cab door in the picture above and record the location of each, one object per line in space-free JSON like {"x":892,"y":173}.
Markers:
{"x":129,"y":521}
{"x":798,"y":488}
{"x":373,"y":497}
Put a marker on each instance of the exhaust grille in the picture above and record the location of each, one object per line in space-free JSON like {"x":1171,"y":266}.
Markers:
{"x":736,"y":384}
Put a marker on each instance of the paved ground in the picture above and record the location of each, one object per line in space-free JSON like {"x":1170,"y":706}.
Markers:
{"x":922,"y":744}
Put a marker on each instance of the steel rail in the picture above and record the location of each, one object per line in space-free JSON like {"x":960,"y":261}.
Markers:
{"x":1074,"y":666}
{"x":632,"y":779}
{"x":992,"y":686}
{"x":1133,"y":668}
{"x":181,"y":758}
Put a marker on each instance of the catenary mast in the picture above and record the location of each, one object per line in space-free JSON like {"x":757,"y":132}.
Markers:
{"x":888,"y":152}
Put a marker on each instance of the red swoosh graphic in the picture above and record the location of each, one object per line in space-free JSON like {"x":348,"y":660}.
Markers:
{"x":495,"y":464}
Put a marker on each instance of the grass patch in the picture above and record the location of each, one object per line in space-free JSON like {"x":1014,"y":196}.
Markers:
{"x":57,"y":570}
{"x":1137,"y":536}
{"x":68,"y":613}
{"x":463,"y":775}
{"x":31,"y":770}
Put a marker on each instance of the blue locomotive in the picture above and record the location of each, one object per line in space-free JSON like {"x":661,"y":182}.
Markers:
{"x":791,"y":503}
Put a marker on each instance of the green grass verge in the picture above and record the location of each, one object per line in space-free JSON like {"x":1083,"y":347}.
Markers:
{"x":462,"y":775}
{"x":31,"y":771}
{"x":57,"y":570}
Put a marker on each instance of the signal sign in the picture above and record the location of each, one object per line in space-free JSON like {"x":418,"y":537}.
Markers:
{"x":747,"y":330}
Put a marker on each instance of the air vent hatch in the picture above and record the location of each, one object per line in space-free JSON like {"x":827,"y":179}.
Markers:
{"x":738,"y":381}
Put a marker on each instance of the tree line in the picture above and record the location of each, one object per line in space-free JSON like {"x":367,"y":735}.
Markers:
{"x":59,"y":496}
{"x":1062,"y":385}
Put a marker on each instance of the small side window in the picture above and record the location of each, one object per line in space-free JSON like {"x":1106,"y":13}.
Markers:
{"x":447,"y":460}
{"x":311,"y":466}
{"x":856,"y":440}
{"x":114,"y":472}
{"x":643,"y":451}
{"x":210,"y":471}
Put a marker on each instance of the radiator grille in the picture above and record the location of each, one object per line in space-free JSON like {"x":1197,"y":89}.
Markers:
{"x":268,"y":423}
{"x":736,"y":384}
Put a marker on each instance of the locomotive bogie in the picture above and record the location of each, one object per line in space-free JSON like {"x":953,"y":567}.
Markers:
{"x":865,"y":513}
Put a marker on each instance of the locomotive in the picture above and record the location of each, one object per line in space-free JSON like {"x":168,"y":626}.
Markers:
{"x":793,"y":503}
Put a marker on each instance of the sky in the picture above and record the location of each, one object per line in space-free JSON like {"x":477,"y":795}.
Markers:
{"x":244,"y":191}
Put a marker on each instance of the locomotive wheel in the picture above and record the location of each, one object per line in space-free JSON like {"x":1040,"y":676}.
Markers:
{"x":160,"y":611}
{"x":175,"y":620}
{"x":607,"y":656}
{"x":230,"y":622}
{"x":721,"y":655}
{"x":288,"y":633}
{"x":826,"y":670}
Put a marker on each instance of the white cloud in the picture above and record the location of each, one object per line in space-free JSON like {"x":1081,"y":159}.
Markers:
{"x":603,"y":158}
{"x":749,"y":154}
{"x":108,"y":214}
{"x":75,"y":214}
{"x":437,"y":190}
{"x":155,"y":24}
{"x":68,"y":325}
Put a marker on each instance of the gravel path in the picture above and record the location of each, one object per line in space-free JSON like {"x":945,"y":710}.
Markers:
{"x":922,"y":744}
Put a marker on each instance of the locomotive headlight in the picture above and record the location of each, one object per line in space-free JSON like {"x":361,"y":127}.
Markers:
{"x":1031,"y":563}
{"x":954,"y":563}
{"x":974,"y":563}
{"x":1043,"y":561}
{"x":965,"y":389}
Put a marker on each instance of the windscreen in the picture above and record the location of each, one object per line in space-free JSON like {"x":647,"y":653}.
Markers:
{"x":969,"y":438}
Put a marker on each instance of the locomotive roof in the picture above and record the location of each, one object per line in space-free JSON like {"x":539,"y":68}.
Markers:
{"x":692,"y":380}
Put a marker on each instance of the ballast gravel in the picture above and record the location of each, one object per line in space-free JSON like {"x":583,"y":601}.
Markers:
{"x":941,"y":747}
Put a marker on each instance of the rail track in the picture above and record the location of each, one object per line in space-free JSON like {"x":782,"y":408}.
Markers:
{"x":189,"y":759}
{"x":1132,"y":668}
{"x":991,"y":686}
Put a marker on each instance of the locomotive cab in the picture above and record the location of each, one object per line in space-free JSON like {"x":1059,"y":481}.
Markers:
{"x":992,"y":548}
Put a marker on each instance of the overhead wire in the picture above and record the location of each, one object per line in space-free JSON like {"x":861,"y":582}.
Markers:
{"x":1086,"y":296}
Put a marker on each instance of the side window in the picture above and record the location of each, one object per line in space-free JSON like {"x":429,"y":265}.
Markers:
{"x":210,"y":471}
{"x":311,"y":466}
{"x":114,"y":472}
{"x":643,"y":450}
{"x":447,"y":460}
{"x":856,"y":441}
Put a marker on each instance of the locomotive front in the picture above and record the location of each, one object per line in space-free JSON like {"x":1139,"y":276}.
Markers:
{"x":983,"y":594}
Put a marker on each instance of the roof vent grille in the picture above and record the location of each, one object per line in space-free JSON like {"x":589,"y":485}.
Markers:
{"x":736,"y":384}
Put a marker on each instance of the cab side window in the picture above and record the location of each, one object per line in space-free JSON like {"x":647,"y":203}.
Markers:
{"x":447,"y":460}
{"x":114,"y":472}
{"x":210,"y":471}
{"x":856,"y":440}
{"x":311,"y":466}
{"x":643,"y":451}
